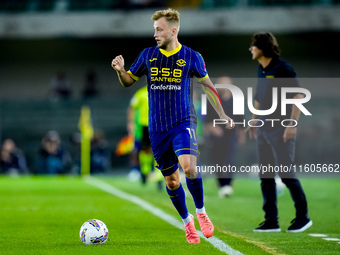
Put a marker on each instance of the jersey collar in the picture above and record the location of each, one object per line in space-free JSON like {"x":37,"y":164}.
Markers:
{"x":172,"y":52}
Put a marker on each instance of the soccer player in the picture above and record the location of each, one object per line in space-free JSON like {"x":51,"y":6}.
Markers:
{"x":138,"y":122}
{"x":169,"y":67}
{"x":276,"y":144}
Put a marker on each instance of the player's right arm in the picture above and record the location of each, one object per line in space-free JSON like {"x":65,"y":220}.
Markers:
{"x":124,"y":78}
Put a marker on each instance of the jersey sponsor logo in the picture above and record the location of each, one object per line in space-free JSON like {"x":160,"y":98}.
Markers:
{"x":166,"y":79}
{"x":181,"y":62}
{"x":165,"y":87}
{"x":152,"y":59}
{"x":166,"y":74}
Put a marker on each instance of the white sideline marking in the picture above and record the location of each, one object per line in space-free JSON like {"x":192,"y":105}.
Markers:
{"x":326,"y":239}
{"x":217,"y":243}
{"x":318,"y":235}
{"x":331,"y":239}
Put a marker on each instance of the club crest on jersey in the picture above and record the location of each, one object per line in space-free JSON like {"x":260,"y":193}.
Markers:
{"x":181,"y":62}
{"x":152,"y":59}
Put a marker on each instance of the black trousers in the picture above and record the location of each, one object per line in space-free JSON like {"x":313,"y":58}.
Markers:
{"x":278,"y":157}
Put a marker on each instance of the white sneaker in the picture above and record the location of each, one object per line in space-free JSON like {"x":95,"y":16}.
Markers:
{"x":225,"y":191}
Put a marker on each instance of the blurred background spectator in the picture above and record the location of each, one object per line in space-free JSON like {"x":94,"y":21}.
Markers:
{"x":100,"y":153}
{"x":90,"y":89}
{"x":12,"y":159}
{"x":60,"y":87}
{"x":52,"y":157}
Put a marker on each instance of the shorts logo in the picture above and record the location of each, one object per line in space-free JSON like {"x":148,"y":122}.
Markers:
{"x":181,"y":62}
{"x":152,"y":59}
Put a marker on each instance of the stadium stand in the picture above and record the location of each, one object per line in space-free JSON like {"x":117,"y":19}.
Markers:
{"x":26,"y":121}
{"x":107,"y":5}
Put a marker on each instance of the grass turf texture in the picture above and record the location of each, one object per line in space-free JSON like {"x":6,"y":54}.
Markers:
{"x":43,"y":215}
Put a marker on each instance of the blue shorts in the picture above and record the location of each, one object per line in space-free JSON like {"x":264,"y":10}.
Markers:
{"x":168,"y":146}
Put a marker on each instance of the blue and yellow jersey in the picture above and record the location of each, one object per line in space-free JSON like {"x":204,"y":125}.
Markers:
{"x":169,"y":76}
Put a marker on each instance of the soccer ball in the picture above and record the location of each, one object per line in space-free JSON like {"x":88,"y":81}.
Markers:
{"x":93,"y":232}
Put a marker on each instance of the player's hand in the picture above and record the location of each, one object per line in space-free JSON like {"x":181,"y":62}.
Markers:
{"x":230,"y":123}
{"x":289,"y":134}
{"x":118,"y":63}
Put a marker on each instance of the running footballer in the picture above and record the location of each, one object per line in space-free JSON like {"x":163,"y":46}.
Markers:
{"x":169,"y":68}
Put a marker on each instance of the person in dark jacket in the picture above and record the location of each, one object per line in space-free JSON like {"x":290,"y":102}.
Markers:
{"x":276,"y":143}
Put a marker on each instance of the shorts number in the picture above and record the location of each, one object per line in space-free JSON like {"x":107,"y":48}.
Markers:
{"x":192,"y":133}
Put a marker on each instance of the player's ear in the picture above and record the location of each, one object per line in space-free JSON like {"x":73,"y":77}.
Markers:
{"x":174,"y":30}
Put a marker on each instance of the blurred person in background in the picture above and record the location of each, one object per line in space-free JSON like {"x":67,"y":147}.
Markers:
{"x":223,"y":143}
{"x":12,"y":159}
{"x":276,"y":143}
{"x":52,"y":157}
{"x":90,"y":88}
{"x":60,"y":87}
{"x":100,"y":153}
{"x":138,"y":123}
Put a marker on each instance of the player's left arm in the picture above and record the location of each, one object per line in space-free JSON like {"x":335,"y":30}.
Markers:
{"x":215,"y":100}
{"x":290,"y":132}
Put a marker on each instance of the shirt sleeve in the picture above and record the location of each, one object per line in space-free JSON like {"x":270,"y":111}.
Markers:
{"x":287,"y":71}
{"x":200,"y":71}
{"x":138,"y":68}
{"x":288,"y":79}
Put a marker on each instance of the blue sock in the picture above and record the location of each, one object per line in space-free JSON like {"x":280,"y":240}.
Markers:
{"x":177,"y":197}
{"x":195,"y":187}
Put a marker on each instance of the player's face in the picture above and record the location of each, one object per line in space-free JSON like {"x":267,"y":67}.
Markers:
{"x":255,"y":52}
{"x":163,"y":33}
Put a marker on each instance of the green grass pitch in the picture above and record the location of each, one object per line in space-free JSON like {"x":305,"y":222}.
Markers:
{"x":43,"y":215}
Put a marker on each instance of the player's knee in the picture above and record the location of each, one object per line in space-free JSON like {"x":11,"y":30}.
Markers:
{"x":172,"y":184}
{"x":189,"y":170}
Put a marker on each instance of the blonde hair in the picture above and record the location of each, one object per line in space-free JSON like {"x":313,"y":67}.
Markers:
{"x":171,"y":15}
